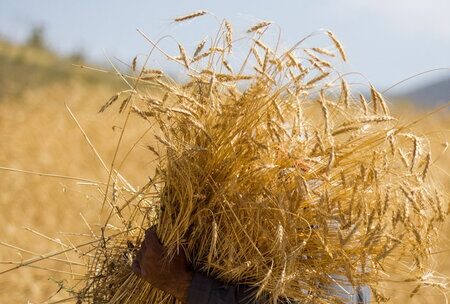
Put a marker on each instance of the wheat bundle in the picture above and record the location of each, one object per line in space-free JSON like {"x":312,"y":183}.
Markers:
{"x":267,"y":177}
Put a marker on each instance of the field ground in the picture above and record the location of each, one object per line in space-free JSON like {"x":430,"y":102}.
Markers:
{"x":38,"y":134}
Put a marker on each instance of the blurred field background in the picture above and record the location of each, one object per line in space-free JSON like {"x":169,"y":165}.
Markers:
{"x":37,"y":134}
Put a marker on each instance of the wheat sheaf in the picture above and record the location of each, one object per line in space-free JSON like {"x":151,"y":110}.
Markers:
{"x":270,"y":172}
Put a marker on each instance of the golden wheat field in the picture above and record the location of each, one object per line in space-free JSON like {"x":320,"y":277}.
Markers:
{"x":48,"y":168}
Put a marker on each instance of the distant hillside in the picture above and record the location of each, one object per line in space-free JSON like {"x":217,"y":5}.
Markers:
{"x":25,"y":67}
{"x":432,"y":94}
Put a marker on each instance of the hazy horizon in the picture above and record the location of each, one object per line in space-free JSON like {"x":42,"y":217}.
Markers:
{"x":385,"y":41}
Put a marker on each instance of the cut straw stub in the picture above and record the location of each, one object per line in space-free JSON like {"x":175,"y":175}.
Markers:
{"x":277,"y":183}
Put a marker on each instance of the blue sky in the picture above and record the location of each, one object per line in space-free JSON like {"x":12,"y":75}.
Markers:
{"x":386,"y":40}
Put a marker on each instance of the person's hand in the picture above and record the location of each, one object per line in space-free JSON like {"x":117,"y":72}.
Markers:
{"x":172,"y":276}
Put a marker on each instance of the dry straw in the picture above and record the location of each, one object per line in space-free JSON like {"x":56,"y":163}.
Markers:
{"x":190,"y":16}
{"x":265,"y":182}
